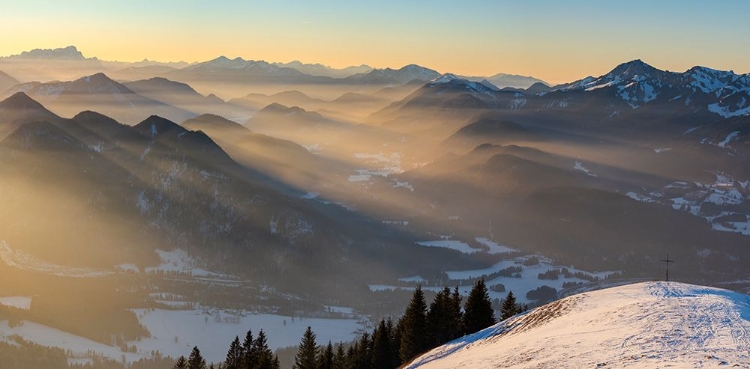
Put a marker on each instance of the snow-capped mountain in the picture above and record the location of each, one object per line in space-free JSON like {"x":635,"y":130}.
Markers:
{"x":390,"y":76}
{"x":640,"y":325}
{"x":503,"y":80}
{"x":318,"y":69}
{"x":637,"y":83}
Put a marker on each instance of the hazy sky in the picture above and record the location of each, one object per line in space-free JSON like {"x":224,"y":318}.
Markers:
{"x":554,"y":40}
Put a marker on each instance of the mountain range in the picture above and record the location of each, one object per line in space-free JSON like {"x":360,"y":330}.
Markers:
{"x":332,"y":196}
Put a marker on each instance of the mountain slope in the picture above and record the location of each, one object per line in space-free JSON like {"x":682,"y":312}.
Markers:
{"x":324,"y":70}
{"x":390,"y":76}
{"x":502,"y":80}
{"x":20,"y":108}
{"x":640,"y":325}
{"x":99,"y":93}
{"x":7,"y":81}
{"x":183,"y":96}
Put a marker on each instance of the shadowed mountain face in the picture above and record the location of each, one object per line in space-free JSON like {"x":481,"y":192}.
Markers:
{"x":99,"y":93}
{"x":7,"y":81}
{"x":92,"y":192}
{"x":185,"y":97}
{"x":20,"y":108}
{"x":604,"y":173}
{"x":600,"y":173}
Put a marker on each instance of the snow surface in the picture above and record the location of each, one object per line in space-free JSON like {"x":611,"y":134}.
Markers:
{"x":413,"y":279}
{"x":494,"y":248}
{"x":579,"y":166}
{"x":77,"y":345}
{"x":25,"y":261}
{"x":450,"y":244}
{"x":644,"y":325}
{"x":309,"y":195}
{"x":178,"y":260}
{"x":521,"y":282}
{"x":212,"y":333}
{"x":18,"y":302}
{"x":380,"y":165}
{"x":728,"y":138}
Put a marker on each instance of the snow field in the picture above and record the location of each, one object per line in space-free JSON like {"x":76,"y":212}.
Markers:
{"x":213,"y":335}
{"x":644,"y":325}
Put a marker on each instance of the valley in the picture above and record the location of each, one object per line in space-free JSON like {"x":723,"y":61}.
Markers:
{"x":179,"y":205}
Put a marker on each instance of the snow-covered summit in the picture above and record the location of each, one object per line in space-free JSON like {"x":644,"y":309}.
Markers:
{"x":451,"y":81}
{"x":639,"y":325}
{"x":445,"y":78}
{"x":637,"y":83}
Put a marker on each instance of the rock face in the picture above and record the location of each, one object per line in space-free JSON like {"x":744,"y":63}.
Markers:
{"x":638,"y":325}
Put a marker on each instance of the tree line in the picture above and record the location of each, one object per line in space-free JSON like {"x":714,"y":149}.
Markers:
{"x":420,"y":328}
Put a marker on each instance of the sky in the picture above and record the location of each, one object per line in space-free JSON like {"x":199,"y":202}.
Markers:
{"x":557,"y":41}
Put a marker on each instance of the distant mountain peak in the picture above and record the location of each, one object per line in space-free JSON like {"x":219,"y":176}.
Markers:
{"x":633,"y":68}
{"x":20,"y":100}
{"x":155,"y":125}
{"x":40,"y":135}
{"x":446,"y":78}
{"x":489,"y":85}
{"x":65,"y":53}
{"x":96,"y":83}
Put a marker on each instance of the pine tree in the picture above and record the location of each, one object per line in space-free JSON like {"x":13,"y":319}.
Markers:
{"x":181,"y":363}
{"x":414,"y":327}
{"x":235,"y":355}
{"x":444,"y":317}
{"x":509,"y":306}
{"x":195,"y":361}
{"x":381,"y":346}
{"x":307,"y":352}
{"x":395,"y":343}
{"x":265,"y":357}
{"x":363,"y":352}
{"x":325,"y":357}
{"x":339,"y":359}
{"x":250,"y":355}
{"x":351,"y":356}
{"x":478,"y":312}
{"x":456,"y":314}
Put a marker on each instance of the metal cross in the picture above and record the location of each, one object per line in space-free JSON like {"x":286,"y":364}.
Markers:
{"x":667,"y":261}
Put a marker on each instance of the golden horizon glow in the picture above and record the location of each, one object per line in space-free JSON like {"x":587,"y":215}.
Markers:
{"x":555,"y":42}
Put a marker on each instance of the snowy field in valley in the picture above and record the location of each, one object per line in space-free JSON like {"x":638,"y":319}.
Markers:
{"x":18,"y":302}
{"x":178,"y":260}
{"x":644,"y":325}
{"x":213,"y":333}
{"x":25,"y":261}
{"x":450,"y":244}
{"x":175,"y":332}
{"x":51,"y":337}
{"x":524,"y":280}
